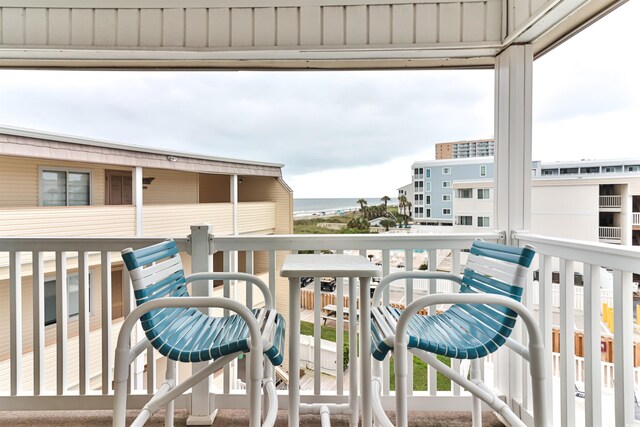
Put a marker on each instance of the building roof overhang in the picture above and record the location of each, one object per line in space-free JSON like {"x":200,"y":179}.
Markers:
{"x":283,"y":34}
{"x":30,"y":143}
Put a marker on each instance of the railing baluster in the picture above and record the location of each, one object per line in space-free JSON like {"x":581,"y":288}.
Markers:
{"x":15,"y":321}
{"x":226,"y":293}
{"x":545,"y":307}
{"x":386,"y":365}
{"x":83,"y":321}
{"x":38,"y":322}
{"x":455,"y":269}
{"x":408,"y":256}
{"x":317,"y":291}
{"x":105,"y":270}
{"x":592,"y":355}
{"x":433,"y":289}
{"x":623,"y":347}
{"x":340,"y":334}
{"x":62,"y":316}
{"x":567,"y":351}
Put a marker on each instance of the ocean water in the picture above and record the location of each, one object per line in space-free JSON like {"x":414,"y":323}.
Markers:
{"x":332,"y":206}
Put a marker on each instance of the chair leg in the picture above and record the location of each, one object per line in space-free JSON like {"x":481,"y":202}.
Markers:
{"x":255,"y":378}
{"x":170,"y":406}
{"x":400,"y":361}
{"x":476,"y":408}
{"x":121,"y":374}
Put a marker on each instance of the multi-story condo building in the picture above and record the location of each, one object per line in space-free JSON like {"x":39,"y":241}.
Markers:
{"x":60,"y":186}
{"x":586,"y":200}
{"x":433,"y":190}
{"x":464,"y":149}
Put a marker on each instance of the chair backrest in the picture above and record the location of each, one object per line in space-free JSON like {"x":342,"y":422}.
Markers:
{"x":495,"y":269}
{"x":156,"y":272}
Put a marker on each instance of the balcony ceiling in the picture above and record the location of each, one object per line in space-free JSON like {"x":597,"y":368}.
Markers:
{"x":282,"y":34}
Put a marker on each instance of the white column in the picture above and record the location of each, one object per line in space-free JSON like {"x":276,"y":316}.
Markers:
{"x":233,"y":197}
{"x":626,"y":215}
{"x":512,"y":170}
{"x":203,"y":410}
{"x":137,"y":198}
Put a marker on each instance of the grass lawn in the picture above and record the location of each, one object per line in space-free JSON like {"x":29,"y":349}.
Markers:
{"x":420,"y":379}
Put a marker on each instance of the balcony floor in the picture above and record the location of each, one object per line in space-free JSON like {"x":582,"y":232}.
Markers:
{"x":228,"y":418}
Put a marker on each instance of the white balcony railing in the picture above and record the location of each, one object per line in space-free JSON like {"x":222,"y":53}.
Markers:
{"x":610,"y":201}
{"x":636,"y":218}
{"x":609,"y":233}
{"x":78,"y":374}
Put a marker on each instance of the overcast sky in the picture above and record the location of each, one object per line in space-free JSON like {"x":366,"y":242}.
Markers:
{"x":346,"y":134}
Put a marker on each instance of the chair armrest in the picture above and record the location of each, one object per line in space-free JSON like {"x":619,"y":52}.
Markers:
{"x":189,"y":302}
{"x":247,"y":278}
{"x":386,"y":281}
{"x":535,"y":337}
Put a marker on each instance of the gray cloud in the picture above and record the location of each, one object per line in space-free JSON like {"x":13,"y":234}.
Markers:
{"x":308,"y":121}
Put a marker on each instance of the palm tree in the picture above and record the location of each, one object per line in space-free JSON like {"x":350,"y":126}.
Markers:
{"x":363,"y":204}
{"x":385,"y":199}
{"x":402,"y":203}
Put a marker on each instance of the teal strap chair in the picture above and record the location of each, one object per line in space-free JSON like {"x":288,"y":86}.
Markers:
{"x":478,"y":322}
{"x":175,"y":327}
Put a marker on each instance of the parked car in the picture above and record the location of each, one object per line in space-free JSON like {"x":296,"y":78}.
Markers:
{"x":328,"y":284}
{"x":401,"y":265}
{"x":304,"y":281}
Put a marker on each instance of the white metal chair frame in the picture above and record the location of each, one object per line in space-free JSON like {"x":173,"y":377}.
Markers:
{"x":169,"y":390}
{"x":534,"y":354}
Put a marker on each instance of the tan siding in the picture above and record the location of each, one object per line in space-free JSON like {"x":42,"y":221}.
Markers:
{"x":214,"y":188}
{"x":69,"y":221}
{"x":259,"y":189}
{"x":175,"y":221}
{"x":169,"y":186}
{"x":27,"y":313}
{"x":256,"y":216}
{"x":20,"y":182}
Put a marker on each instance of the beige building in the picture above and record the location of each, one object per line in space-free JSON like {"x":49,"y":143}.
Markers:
{"x":464,"y":149}
{"x":60,"y":186}
{"x":599,"y":208}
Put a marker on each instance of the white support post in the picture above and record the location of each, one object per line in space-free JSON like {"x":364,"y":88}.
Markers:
{"x":233,"y":193}
{"x":593,"y":374}
{"x":203,"y":410}
{"x":512,"y":169}
{"x":137,"y":198}
{"x":15,"y":321}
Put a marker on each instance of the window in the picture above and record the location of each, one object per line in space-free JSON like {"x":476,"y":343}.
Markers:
{"x":465,"y":220}
{"x":428,"y":200}
{"x":446,"y":171}
{"x":483,"y":221}
{"x":446,"y":197}
{"x":65,"y":188}
{"x":634,"y":168}
{"x":73,"y":292}
{"x":446,"y":211}
{"x":427,"y":186}
{"x":446,"y":184}
{"x":483,"y":193}
{"x":608,"y":169}
{"x":427,"y":213}
{"x":418,"y":211}
{"x":418,"y":185}
{"x":483,"y":170}
{"x":417,"y":171}
{"x":418,"y":199}
{"x":465,"y":193}
{"x":427,"y":173}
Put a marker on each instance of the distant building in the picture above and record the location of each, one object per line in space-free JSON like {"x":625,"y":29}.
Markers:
{"x":465,"y":149}
{"x":585,"y":200}
{"x":433,"y":186}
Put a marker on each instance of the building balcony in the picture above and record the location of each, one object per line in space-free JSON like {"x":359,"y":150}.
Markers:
{"x":610,"y":234}
{"x":610,"y":203}
{"x":635,"y":219}
{"x":68,"y":365}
